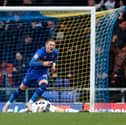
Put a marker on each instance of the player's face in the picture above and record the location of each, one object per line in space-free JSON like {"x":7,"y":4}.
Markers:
{"x":50,"y":46}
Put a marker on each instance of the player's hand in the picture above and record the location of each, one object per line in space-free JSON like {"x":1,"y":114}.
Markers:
{"x":47,"y":63}
{"x":53,"y":69}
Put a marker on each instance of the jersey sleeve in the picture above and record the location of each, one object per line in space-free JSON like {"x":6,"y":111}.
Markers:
{"x":35,"y":61}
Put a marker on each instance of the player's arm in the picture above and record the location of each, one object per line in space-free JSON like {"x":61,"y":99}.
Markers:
{"x":35,"y":61}
{"x":24,"y":110}
{"x":58,"y":109}
{"x":53,"y":68}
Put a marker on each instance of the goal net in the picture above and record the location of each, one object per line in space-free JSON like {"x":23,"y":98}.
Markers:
{"x":83,"y":60}
{"x":23,"y":32}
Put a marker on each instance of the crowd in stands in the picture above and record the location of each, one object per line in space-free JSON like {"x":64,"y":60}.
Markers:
{"x":118,"y":53}
{"x":117,"y":67}
{"x":40,"y":2}
{"x":106,"y":4}
{"x":100,"y":4}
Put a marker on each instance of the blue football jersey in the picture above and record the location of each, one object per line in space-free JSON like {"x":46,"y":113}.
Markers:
{"x":40,"y":56}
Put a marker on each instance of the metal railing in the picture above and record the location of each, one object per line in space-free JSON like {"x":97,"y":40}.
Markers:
{"x":121,"y":91}
{"x":28,"y":95}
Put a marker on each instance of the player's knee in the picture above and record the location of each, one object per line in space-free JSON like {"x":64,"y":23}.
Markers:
{"x":23,"y":87}
{"x":18,"y":91}
{"x":43,"y":86}
{"x":43,"y":82}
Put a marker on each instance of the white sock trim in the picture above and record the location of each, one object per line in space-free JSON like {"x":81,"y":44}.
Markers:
{"x":8,"y":103}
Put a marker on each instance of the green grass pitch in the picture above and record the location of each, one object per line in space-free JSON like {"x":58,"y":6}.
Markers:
{"x":63,"y":118}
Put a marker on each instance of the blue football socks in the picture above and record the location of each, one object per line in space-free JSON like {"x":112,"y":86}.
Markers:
{"x":14,"y":95}
{"x":38,"y":93}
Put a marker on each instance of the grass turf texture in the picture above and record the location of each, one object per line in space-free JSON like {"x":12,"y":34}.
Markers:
{"x":63,"y":118}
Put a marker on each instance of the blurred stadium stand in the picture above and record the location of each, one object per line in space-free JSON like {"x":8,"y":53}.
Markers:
{"x":69,"y":96}
{"x":52,"y":96}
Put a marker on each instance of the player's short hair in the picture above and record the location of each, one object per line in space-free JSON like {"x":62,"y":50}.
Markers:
{"x":50,"y":40}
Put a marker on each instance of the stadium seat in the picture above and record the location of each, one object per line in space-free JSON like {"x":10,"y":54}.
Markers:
{"x":52,"y":96}
{"x":62,"y":82}
{"x":66,"y":82}
{"x":69,"y":96}
{"x":59,"y":82}
{"x":2,"y":94}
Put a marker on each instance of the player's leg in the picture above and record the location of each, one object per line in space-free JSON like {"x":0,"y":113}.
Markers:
{"x":42,"y":87}
{"x":29,"y":78}
{"x":58,"y":109}
{"x":43,"y":82}
{"x":13,"y":96}
{"x":71,"y":110}
{"x":24,"y":110}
